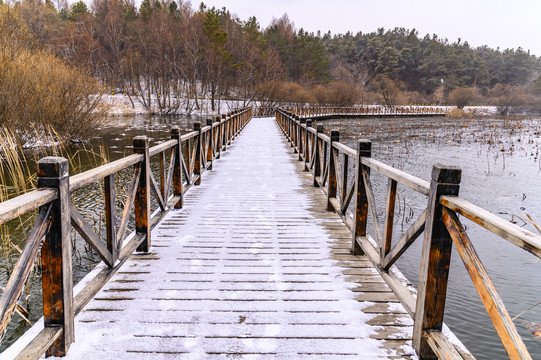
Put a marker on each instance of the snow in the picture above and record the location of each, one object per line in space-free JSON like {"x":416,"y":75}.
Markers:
{"x":243,"y":268}
{"x":121,"y":104}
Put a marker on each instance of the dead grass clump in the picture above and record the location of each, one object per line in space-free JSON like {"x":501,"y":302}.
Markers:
{"x":457,"y":113}
{"x":508,"y":99}
{"x":462,"y":96}
{"x":387,"y":89}
{"x":275,"y":91}
{"x":38,"y":90}
{"x":337,"y":93}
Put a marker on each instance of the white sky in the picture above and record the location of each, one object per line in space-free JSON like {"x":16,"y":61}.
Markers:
{"x":496,"y":23}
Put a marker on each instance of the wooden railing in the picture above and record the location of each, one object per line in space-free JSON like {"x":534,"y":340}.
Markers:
{"x":190,"y":155}
{"x":327,"y":159}
{"x":264,"y":111}
{"x":364,"y":110}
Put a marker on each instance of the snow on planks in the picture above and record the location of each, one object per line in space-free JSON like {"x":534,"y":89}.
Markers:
{"x":253,"y":267}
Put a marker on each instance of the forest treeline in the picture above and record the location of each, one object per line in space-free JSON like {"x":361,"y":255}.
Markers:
{"x":168,"y":55}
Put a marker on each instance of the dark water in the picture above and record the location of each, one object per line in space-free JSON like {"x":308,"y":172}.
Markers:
{"x":505,"y":182}
{"x":501,"y":172}
{"x":113,"y":141}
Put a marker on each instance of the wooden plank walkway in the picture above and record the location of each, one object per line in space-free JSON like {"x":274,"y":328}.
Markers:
{"x":253,"y":267}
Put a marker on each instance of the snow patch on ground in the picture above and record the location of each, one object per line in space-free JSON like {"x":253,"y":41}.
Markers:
{"x":122,"y":104}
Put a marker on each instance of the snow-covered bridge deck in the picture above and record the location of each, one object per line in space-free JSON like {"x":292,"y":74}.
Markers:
{"x":252,"y":267}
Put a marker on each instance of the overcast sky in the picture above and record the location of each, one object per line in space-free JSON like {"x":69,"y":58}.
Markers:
{"x":496,"y":23}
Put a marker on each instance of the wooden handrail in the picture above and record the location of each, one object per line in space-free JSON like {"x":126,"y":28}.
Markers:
{"x":345,"y":149}
{"x":329,"y":112}
{"x":88,"y":177}
{"x":160,"y":148}
{"x":419,"y":185}
{"x":60,"y":306}
{"x":442,"y":191}
{"x":23,"y":204}
{"x":514,"y":234}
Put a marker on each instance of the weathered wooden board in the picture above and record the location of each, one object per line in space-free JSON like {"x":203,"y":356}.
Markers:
{"x":252,"y":266}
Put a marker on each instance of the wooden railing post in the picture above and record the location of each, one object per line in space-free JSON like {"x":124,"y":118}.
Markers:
{"x":210,"y":153}
{"x":294,"y":126}
{"x":142,"y":196}
{"x":198,"y":147}
{"x":307,"y":154}
{"x":224,"y":132}
{"x":317,"y":157}
{"x":177,"y":167}
{"x":297,"y":132}
{"x":234,"y":120}
{"x":302,"y":138}
{"x":229,"y":126}
{"x":110,"y":216}
{"x":218,"y":149}
{"x":331,"y":188}
{"x":242,"y":117}
{"x":360,"y":212}
{"x":290,"y":129}
{"x":56,"y":261}
{"x":236,"y":123}
{"x":435,"y":259}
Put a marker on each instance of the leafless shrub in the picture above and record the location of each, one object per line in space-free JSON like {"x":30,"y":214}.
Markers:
{"x":273,"y":92}
{"x":387,"y":89}
{"x":462,"y":96}
{"x":507,"y":98}
{"x":337,"y":93}
{"x":37,"y":90}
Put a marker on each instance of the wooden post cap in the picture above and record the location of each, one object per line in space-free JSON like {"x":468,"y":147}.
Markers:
{"x":320,"y":128}
{"x":447,"y":174}
{"x":53,"y":167}
{"x":335,"y":135}
{"x":364,"y":145}
{"x":140,"y":142}
{"x":209,"y":121}
{"x":175,"y":130}
{"x":196,"y":125}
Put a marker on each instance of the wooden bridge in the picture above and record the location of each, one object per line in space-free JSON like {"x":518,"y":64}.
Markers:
{"x":358,"y":111}
{"x":267,"y":257}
